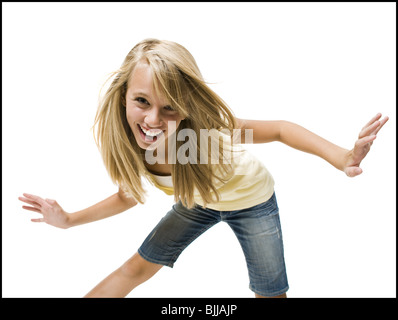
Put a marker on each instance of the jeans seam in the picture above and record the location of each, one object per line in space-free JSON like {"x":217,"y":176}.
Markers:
{"x":197,"y":234}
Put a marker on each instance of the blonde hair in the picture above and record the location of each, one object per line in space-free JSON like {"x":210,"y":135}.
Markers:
{"x":176,"y":77}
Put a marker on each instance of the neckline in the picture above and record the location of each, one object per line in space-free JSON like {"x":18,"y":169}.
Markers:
{"x":159,"y":174}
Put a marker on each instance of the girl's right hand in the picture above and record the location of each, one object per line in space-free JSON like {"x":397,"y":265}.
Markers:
{"x":52,"y":212}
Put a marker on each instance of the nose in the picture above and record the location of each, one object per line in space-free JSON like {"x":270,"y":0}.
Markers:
{"x":153,"y":118}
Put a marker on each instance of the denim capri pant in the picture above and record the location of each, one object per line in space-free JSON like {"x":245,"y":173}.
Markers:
{"x":257,"y":228}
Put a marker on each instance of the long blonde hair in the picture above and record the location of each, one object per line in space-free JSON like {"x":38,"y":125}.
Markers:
{"x":176,"y":77}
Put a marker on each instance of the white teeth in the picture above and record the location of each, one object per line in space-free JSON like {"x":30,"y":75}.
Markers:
{"x":151,"y":132}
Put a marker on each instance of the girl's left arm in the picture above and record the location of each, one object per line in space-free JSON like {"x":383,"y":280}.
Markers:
{"x":304,"y":140}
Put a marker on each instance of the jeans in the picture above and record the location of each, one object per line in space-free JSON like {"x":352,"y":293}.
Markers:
{"x":257,"y":228}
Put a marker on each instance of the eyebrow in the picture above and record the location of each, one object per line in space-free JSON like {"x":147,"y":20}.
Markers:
{"x":140,"y":93}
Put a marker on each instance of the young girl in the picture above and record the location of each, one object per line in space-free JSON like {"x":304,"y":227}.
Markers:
{"x":157,"y":100}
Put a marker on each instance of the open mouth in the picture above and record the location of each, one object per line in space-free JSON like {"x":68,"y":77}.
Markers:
{"x":150,"y":135}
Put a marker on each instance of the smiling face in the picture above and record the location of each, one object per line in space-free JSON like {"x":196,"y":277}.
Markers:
{"x":147,"y":113}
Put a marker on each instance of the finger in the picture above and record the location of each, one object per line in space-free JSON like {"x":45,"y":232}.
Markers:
{"x":35,"y":204}
{"x":50,"y":201}
{"x":376,"y":117}
{"x":31,"y":209}
{"x":382,"y":123}
{"x":368,"y":130}
{"x":363,"y":141}
{"x":37,"y":220}
{"x":353,"y":171}
{"x":37,"y":199}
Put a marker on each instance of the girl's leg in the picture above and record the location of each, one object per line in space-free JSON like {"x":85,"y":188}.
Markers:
{"x":119,"y":283}
{"x":259,"y":232}
{"x":175,"y":231}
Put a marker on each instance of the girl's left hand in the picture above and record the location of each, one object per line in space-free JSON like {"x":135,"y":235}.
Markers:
{"x":362,"y":145}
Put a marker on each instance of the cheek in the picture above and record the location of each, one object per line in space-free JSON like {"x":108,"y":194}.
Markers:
{"x":132,"y":115}
{"x":170,"y":124}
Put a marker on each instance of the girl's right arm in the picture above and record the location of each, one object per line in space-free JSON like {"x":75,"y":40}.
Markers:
{"x":54,"y":215}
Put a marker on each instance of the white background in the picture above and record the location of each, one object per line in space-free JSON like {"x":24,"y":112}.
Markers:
{"x":329,"y":67}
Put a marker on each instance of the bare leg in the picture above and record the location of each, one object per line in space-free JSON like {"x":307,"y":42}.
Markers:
{"x":280,"y":296}
{"x":119,"y":283}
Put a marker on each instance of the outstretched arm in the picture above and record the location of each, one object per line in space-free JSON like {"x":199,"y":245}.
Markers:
{"x":53,"y":214}
{"x":304,"y":140}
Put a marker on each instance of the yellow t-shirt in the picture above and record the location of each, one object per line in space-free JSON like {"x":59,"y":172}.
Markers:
{"x":250,"y":185}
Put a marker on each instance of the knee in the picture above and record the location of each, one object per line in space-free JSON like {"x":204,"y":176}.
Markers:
{"x":138,"y":268}
{"x":133,"y":267}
